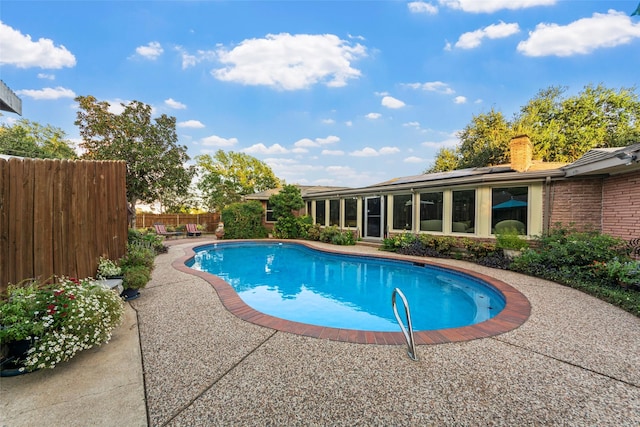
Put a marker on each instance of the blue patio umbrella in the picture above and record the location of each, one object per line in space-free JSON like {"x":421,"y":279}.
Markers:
{"x":509,"y":204}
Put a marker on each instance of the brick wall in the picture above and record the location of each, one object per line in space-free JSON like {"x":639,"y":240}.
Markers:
{"x":621,"y":205}
{"x":578,"y":202}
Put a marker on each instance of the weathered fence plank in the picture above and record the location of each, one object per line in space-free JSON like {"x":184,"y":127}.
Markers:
{"x":211,"y":220}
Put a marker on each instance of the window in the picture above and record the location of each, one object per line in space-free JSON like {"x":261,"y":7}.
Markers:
{"x":509,"y":207}
{"x":269,"y":213}
{"x":320,"y":214}
{"x":431,"y":211}
{"x":351,"y":212}
{"x":402,"y":212}
{"x":334,"y":212}
{"x":463,"y":211}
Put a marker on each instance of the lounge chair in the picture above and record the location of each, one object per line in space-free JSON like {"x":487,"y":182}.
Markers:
{"x":192,"y":230}
{"x":162,"y":231}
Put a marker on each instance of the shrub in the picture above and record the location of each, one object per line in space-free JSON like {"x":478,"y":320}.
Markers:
{"x":313,"y":232}
{"x":135,"y":276}
{"x":344,"y":238}
{"x":244,"y":221}
{"x":147,"y":239}
{"x":478,"y":249}
{"x":511,"y":239}
{"x":138,"y":255}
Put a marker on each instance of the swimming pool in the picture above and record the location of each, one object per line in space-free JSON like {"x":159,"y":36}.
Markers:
{"x":292,"y":282}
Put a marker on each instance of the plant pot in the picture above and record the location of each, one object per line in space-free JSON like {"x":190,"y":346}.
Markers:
{"x":130,"y":294}
{"x":13,"y":353}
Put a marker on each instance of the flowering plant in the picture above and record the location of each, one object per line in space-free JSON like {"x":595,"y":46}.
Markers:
{"x":107,"y":268}
{"x":62,"y":319}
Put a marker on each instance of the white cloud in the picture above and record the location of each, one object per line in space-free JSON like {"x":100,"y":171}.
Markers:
{"x":291,"y":62}
{"x":488,"y":6}
{"x":422,"y":7}
{"x":174,"y":104}
{"x":373,"y":116}
{"x":299,"y":150}
{"x":389,"y":150}
{"x":263,"y":149}
{"x":309,"y":143}
{"x":332,"y":153}
{"x":495,"y":31}
{"x":438,"y":87}
{"x":414,"y":159}
{"x":412,"y":125}
{"x":306,"y":142}
{"x":450,"y":142}
{"x":47,"y":93}
{"x":348,"y":123}
{"x":328,"y":121}
{"x":218,"y":141}
{"x":194,"y":124}
{"x":331,"y":139}
{"x":190,"y":59}
{"x":46,"y":76}
{"x":582,"y":36}
{"x":19,"y":50}
{"x":460,"y":100}
{"x":151,"y":51}
{"x":370,"y":152}
{"x":340,"y":170}
{"x":391,"y":102}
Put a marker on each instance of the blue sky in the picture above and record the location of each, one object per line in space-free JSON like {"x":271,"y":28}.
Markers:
{"x":325,"y":92}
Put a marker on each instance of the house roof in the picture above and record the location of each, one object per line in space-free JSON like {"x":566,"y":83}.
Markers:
{"x":601,"y":161}
{"x":304,"y":190}
{"x":9,"y":101}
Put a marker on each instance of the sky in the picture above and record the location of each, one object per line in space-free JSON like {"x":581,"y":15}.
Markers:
{"x":334,"y":93}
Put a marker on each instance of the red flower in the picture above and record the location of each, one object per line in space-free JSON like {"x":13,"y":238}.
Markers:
{"x":58,"y":293}
{"x":74,"y":280}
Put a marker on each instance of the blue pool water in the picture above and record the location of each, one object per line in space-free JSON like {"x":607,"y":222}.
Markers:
{"x":293,"y":282}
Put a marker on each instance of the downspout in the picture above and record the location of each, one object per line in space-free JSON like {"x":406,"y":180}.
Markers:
{"x":546,"y":215}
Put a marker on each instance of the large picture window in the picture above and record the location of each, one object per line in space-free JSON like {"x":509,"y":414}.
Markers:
{"x":431,"y":211}
{"x":351,"y":213}
{"x":402,"y":212}
{"x":509,"y":207}
{"x":320,"y":213}
{"x":334,"y":212}
{"x":463,"y":213}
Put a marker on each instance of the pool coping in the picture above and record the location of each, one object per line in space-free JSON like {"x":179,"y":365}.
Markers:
{"x":516,"y":311}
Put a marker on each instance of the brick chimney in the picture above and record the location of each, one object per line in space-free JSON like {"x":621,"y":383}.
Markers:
{"x":521,"y":153}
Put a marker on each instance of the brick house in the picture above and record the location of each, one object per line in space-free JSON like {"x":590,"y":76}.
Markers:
{"x":600,"y":190}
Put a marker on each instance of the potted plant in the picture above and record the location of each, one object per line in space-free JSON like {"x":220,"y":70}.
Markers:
{"x":57,"y":320}
{"x":136,"y":265}
{"x":108,"y":269}
{"x":511,"y":242}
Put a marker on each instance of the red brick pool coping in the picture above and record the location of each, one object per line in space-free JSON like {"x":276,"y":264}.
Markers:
{"x":516,"y":311}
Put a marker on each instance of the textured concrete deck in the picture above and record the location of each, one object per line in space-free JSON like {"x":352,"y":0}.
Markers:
{"x":575,"y":361}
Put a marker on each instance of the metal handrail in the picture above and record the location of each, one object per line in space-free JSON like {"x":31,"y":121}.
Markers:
{"x":408,"y":334}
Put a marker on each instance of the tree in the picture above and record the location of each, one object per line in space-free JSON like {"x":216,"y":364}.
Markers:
{"x":288,"y":200}
{"x":155,"y":162}
{"x":226,"y":177}
{"x":447,"y":159}
{"x":31,"y":139}
{"x":562,"y":129}
{"x":484,"y":141}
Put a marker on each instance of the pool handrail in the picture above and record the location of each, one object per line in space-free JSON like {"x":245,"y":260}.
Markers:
{"x":408,"y":334}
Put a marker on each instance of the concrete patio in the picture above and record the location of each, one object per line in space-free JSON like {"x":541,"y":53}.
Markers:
{"x":575,"y":361}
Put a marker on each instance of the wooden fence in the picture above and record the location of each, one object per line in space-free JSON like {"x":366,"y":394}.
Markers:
{"x":146,"y":220}
{"x":59,"y":216}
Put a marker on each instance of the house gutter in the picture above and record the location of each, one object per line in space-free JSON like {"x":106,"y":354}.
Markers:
{"x":394,"y":188}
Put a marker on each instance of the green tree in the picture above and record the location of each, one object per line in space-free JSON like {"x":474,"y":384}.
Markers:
{"x":226,"y":177}
{"x":156,"y":164}
{"x":447,"y":159}
{"x":288,"y":200}
{"x":562,"y":129}
{"x":485,"y":141}
{"x":31,"y":139}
